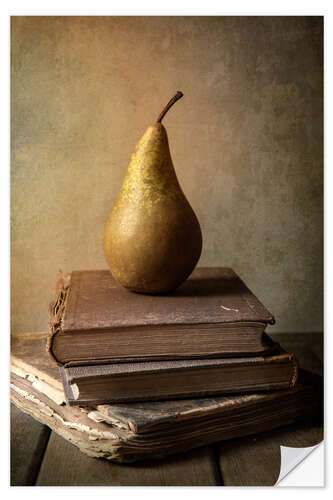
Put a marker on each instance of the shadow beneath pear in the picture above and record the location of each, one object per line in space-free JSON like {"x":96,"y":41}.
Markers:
{"x":209,"y":287}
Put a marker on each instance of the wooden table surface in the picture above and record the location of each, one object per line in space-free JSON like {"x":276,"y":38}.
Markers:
{"x":42,"y":458}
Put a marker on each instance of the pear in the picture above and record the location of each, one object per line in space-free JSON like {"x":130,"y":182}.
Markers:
{"x":152,"y":239}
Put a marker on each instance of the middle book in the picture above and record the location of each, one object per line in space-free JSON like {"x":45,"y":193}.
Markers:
{"x":158,"y":380}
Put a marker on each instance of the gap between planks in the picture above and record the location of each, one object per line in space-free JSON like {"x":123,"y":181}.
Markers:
{"x":28,"y":443}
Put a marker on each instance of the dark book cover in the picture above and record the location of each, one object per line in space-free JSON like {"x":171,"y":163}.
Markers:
{"x":95,"y":320}
{"x":161,"y":380}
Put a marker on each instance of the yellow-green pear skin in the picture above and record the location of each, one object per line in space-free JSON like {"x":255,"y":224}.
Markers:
{"x":152,"y":239}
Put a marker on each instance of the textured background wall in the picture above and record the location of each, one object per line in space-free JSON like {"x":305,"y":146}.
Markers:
{"x":246,"y":141}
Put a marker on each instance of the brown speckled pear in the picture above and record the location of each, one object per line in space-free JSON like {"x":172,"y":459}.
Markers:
{"x":152,"y":239}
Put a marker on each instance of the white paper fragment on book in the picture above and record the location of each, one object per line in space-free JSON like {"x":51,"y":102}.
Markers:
{"x":229,"y":308}
{"x":291,"y":461}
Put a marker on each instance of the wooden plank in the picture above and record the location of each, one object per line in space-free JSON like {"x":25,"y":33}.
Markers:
{"x":65,"y":465}
{"x":28,"y":442}
{"x":255,"y":460}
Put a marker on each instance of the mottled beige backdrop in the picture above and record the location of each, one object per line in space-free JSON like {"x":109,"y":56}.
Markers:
{"x":246,"y":140}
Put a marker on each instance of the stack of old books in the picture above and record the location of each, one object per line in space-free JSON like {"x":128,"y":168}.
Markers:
{"x":151,"y":375}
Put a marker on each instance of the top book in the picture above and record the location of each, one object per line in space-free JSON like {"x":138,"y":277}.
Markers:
{"x":213,"y":314}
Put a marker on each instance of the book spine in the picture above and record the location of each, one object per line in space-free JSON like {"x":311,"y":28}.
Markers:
{"x":294,"y":377}
{"x":57,"y":308}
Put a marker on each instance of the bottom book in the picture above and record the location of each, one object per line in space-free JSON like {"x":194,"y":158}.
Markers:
{"x":131,"y":432}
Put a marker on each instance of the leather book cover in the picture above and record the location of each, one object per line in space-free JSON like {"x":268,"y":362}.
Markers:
{"x":93,"y":301}
{"x":76,"y":374}
{"x":210,"y":295}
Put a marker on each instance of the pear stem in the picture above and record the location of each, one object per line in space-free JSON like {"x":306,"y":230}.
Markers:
{"x":172,"y":101}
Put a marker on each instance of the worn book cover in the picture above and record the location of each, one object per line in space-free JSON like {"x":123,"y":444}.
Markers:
{"x":213,"y":314}
{"x":161,"y":380}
